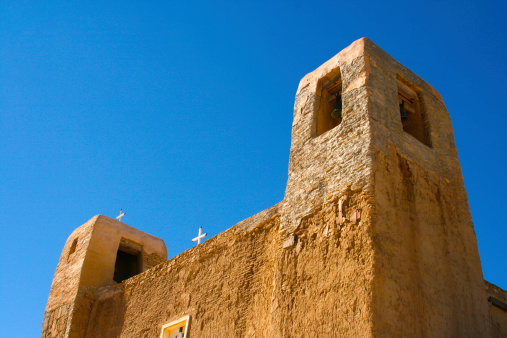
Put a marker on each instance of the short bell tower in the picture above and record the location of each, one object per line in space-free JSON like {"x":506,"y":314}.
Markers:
{"x":99,"y":254}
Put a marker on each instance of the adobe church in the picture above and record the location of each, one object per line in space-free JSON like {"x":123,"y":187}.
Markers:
{"x":374,"y":237}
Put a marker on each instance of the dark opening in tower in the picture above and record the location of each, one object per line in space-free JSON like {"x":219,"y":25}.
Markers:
{"x":412,"y":116}
{"x":72,"y":249}
{"x":128,"y":263}
{"x":329,"y":112}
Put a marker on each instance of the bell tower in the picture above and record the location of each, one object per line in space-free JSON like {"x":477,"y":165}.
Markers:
{"x":375,"y":188}
{"x":101,"y":253}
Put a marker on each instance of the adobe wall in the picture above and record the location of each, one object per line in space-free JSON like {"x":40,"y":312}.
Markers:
{"x":323,"y":284}
{"x":499,"y":317}
{"x":498,"y":314}
{"x":225,"y":285}
{"x":65,"y":285}
{"x":429,"y":278}
{"x":250,"y":281}
{"x":329,"y":268}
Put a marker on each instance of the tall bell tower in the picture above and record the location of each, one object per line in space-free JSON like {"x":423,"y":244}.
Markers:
{"x":375,"y":178}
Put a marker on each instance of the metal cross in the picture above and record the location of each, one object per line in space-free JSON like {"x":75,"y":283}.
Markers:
{"x":120,"y":215}
{"x":198,"y":238}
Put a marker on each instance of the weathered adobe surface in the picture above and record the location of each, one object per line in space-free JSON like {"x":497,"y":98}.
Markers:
{"x":499,"y":315}
{"x":225,"y":285}
{"x":323,"y":282}
{"x":245,"y":283}
{"x":427,"y":268}
{"x":69,"y":267}
{"x":65,"y":295}
{"x":324,"y":169}
{"x":494,"y":291}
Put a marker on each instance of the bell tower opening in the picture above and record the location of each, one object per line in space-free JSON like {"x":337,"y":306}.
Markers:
{"x":411,"y":114}
{"x":72,"y":249}
{"x":329,"y":112}
{"x":128,"y":262}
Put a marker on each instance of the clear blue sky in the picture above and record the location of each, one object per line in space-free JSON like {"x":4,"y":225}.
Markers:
{"x":180,"y":113}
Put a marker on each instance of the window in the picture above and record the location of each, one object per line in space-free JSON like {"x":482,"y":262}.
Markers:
{"x":329,"y":113}
{"x":175,"y":329}
{"x":411,"y":114}
{"x":128,"y":261}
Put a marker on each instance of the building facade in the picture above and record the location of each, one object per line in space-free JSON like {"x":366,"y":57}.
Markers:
{"x":374,"y":236}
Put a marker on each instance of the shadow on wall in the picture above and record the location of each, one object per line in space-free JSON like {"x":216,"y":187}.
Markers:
{"x":115,"y":308}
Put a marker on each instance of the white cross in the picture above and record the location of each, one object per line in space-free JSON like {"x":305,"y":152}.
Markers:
{"x":198,"y":238}
{"x":120,"y":215}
